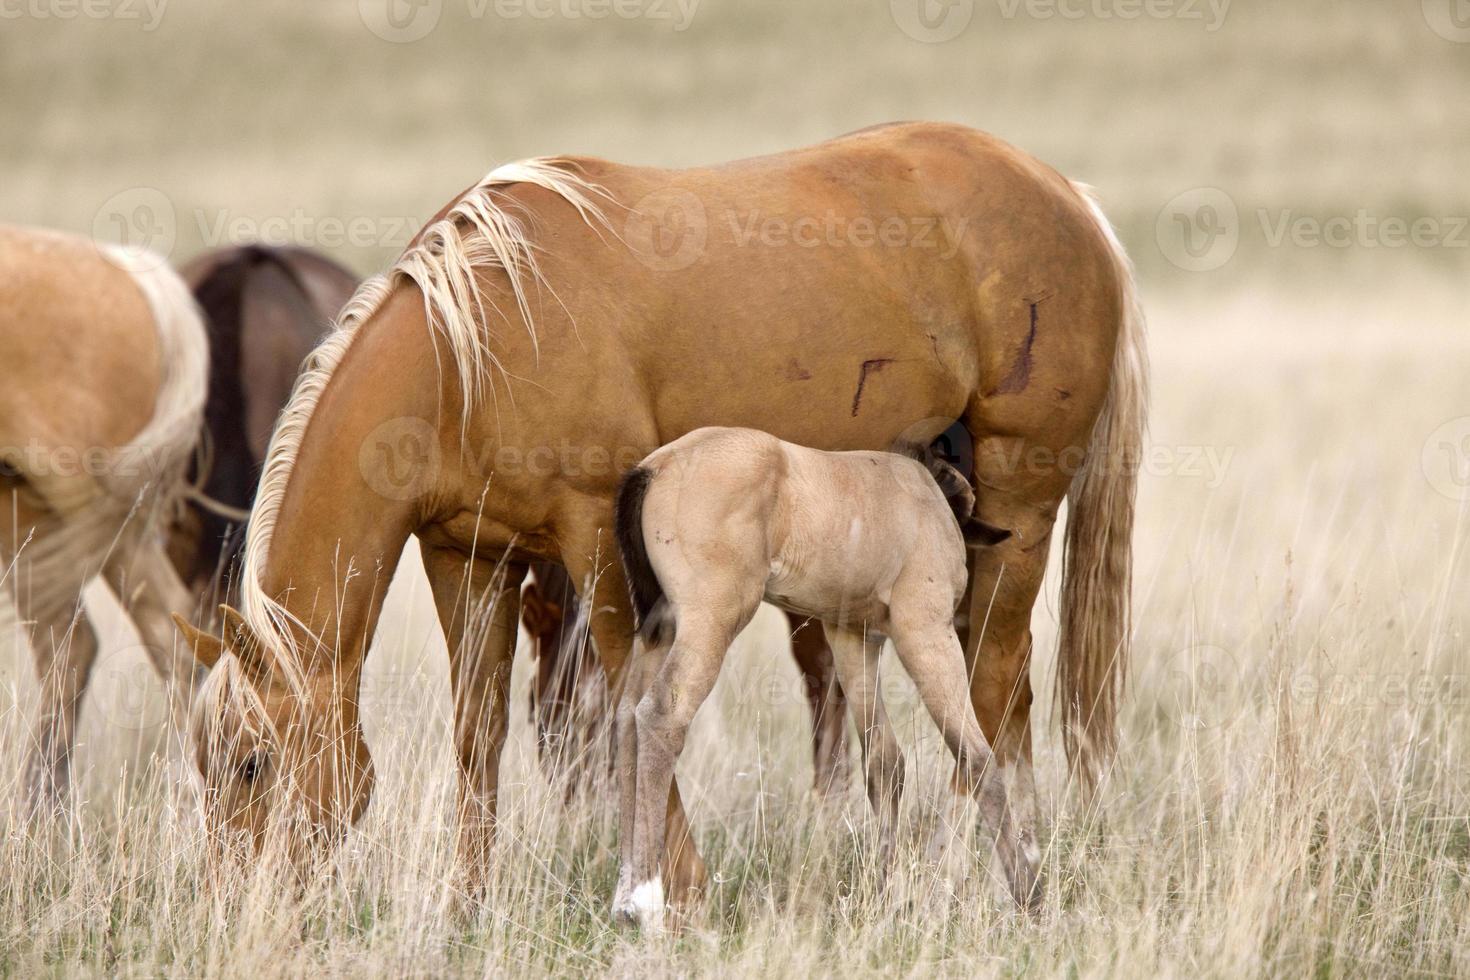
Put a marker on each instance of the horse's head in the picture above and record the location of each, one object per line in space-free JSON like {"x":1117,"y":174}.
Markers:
{"x":276,"y":749}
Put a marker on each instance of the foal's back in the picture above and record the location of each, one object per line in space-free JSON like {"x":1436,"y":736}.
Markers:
{"x":823,"y":534}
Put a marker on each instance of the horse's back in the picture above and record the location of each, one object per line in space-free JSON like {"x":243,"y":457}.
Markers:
{"x":910,"y":273}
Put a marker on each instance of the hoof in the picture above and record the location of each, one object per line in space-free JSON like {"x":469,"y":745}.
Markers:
{"x":641,"y":907}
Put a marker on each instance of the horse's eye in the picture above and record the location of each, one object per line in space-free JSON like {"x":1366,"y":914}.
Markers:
{"x":251,"y":767}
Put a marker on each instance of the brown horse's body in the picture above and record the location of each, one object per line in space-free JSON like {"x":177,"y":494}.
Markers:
{"x":1004,"y":304}
{"x":104,"y":361}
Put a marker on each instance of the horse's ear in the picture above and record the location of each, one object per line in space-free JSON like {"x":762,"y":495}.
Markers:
{"x":255,"y":657}
{"x":539,"y":614}
{"x":207,"y":647}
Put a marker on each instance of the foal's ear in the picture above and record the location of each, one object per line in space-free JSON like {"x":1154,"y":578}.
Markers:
{"x":978,"y":532}
{"x":207,"y":647}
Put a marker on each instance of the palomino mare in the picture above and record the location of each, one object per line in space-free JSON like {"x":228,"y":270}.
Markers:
{"x":869,"y":543}
{"x":265,"y":308}
{"x":106,"y":361}
{"x":569,"y":697}
{"x":562,"y":318}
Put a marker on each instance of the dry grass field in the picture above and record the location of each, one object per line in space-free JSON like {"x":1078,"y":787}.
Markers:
{"x":1293,"y":792}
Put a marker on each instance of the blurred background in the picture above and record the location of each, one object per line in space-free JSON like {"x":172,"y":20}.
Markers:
{"x":1290,"y":178}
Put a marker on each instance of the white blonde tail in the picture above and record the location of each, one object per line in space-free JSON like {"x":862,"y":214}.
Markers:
{"x":1097,"y":564}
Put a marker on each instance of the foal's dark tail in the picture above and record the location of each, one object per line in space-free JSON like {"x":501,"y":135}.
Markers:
{"x":643,"y":585}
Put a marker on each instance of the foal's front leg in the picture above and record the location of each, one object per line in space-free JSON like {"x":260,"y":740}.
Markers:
{"x":479,"y":607}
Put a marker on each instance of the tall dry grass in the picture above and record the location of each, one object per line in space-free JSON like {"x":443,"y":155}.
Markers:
{"x":1291,"y":798}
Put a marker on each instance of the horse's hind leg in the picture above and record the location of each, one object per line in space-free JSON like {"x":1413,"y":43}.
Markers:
{"x":65,"y":648}
{"x":934,"y":660}
{"x":856,"y":654}
{"x":828,"y":706}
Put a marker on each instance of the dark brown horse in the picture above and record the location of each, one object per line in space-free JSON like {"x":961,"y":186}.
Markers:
{"x":265,"y":308}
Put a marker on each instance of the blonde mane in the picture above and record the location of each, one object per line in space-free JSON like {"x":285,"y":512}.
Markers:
{"x":478,"y":232}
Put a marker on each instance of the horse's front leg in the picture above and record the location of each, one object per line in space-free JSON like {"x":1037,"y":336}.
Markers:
{"x":479,"y":606}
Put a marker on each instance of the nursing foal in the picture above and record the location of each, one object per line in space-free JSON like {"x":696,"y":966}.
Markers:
{"x":868,"y":542}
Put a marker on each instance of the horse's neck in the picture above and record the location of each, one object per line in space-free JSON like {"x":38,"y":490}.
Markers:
{"x":352,"y":498}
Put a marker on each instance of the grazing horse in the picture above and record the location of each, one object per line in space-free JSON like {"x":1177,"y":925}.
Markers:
{"x":869,"y":543}
{"x":563,"y":318}
{"x":569,"y":698}
{"x":106,"y":361}
{"x":265,"y":308}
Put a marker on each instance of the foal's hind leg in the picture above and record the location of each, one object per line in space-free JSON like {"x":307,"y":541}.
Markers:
{"x":643,"y":667}
{"x":856,"y":654}
{"x":932,"y":656}
{"x":683,"y":681}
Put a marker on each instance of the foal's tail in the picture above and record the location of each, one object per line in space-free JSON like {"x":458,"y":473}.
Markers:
{"x":1097,"y":562}
{"x":643,"y":585}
